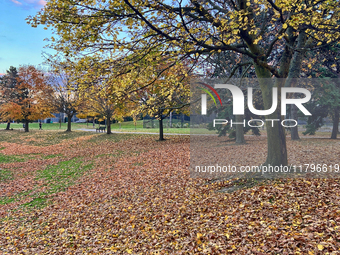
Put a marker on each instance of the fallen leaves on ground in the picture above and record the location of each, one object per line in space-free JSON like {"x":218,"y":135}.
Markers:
{"x":139,"y":199}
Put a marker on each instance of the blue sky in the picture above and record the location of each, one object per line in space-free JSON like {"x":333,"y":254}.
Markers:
{"x":20,"y":44}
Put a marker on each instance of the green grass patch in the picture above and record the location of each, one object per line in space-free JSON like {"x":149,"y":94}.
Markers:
{"x":47,"y":126}
{"x":156,"y":130}
{"x":10,"y":159}
{"x":127,"y":126}
{"x":6,"y":200}
{"x":5,"y":175}
{"x":64,"y":173}
{"x":36,"y":202}
{"x":18,"y":158}
{"x":57,"y":178}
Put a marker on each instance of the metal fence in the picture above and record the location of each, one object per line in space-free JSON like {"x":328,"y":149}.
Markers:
{"x":172,"y":121}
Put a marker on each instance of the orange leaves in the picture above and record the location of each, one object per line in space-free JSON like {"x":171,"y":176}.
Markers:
{"x":153,"y":207}
{"x":27,"y":98}
{"x":10,"y":111}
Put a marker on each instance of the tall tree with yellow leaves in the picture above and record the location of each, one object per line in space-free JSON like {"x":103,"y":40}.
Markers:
{"x":169,"y":93}
{"x":100,"y":89}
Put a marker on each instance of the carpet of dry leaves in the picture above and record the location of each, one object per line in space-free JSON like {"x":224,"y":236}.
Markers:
{"x":138,"y":199}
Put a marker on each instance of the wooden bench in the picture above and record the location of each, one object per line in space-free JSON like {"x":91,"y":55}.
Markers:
{"x":100,"y":128}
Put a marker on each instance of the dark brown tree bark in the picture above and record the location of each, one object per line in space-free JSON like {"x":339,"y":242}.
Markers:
{"x":294,"y":130}
{"x":239,"y":130}
{"x":294,"y":73}
{"x":69,"y":118}
{"x":161,"y":134}
{"x":276,"y":138}
{"x":26,"y":126}
{"x":335,"y":123}
{"x":108,"y":125}
{"x":8,"y":125}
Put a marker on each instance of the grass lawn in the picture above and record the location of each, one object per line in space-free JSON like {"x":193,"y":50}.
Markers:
{"x":129,"y":126}
{"x":46,"y":126}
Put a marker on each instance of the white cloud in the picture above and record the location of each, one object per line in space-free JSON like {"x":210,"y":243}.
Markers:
{"x":16,"y":2}
{"x":27,"y":4}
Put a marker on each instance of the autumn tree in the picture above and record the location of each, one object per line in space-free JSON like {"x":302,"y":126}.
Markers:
{"x":170,"y":93}
{"x":101,"y":89}
{"x":101,"y":101}
{"x":31,"y":92}
{"x":195,"y":28}
{"x":64,"y":98}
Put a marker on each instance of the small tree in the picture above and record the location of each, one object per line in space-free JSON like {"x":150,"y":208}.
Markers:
{"x":103,"y":103}
{"x":63,"y":79}
{"x":31,"y":92}
{"x":169,"y":93}
{"x":100,"y":88}
{"x":64,"y":98}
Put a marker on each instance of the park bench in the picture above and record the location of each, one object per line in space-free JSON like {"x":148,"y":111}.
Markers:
{"x":100,"y":128}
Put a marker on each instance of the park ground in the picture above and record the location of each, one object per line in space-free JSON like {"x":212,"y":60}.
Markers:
{"x":90,"y":193}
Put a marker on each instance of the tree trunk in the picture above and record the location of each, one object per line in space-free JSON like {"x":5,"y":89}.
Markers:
{"x":26,"y":126}
{"x":170,"y":120}
{"x":8,"y":125}
{"x":335,"y":123}
{"x":108,"y":125}
{"x":294,"y":130}
{"x":69,"y":117}
{"x":93,"y":122}
{"x":239,"y":130}
{"x":294,"y":73}
{"x":161,"y":136}
{"x":276,"y":138}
